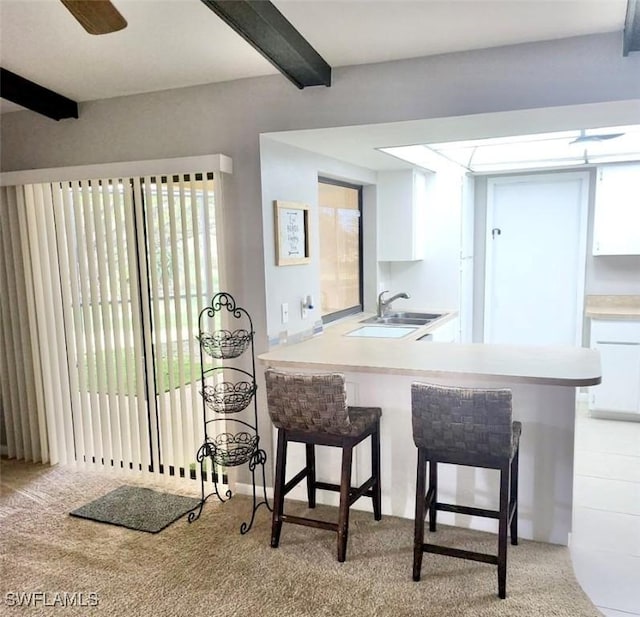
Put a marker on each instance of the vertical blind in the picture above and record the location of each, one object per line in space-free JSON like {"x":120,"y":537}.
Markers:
{"x":103,"y":282}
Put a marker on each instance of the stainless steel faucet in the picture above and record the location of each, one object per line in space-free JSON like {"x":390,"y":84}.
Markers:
{"x":385,"y":305}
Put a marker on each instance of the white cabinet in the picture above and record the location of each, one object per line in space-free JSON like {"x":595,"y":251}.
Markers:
{"x":616,"y":228}
{"x":619,"y":345}
{"x":446,"y":333}
{"x":401,"y":215}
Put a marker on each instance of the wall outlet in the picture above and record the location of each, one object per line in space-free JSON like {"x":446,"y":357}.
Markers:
{"x":285,"y":312}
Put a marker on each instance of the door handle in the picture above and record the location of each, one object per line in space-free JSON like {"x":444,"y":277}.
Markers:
{"x":496,"y":231}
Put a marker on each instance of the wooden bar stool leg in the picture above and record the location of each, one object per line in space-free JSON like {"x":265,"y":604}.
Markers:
{"x":502,"y":531}
{"x":343,"y":515}
{"x":418,"y":539}
{"x":433,"y":488}
{"x":514,"y":496}
{"x":311,"y":475}
{"x":375,"y":471}
{"x":278,"y":491}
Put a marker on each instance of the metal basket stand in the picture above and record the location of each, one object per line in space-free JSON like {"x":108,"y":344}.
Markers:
{"x":228,"y":396}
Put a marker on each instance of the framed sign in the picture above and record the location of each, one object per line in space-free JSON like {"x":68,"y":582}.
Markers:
{"x":292,"y":233}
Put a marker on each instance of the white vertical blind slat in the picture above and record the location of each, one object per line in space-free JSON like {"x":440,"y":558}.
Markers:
{"x":139,"y":294}
{"x":91,"y":323}
{"x":37,"y":419}
{"x":62,"y":411}
{"x":42,"y":298}
{"x":24,"y":402}
{"x":201,"y":300}
{"x":64,"y":213}
{"x":190,"y":391}
{"x":152,"y":201}
{"x":103,"y":214}
{"x":105,"y":357}
{"x":177,"y":379}
{"x":125,"y":361}
{"x":166,"y":392}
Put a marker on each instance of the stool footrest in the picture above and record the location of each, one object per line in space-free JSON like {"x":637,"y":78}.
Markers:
{"x":309,"y":522}
{"x":354,"y":492}
{"x":449,"y":507}
{"x":462,"y":554}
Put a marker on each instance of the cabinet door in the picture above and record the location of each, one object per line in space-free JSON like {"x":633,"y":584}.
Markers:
{"x":620,"y":387}
{"x":617,"y":211}
{"x":447,"y":333}
{"x":401,"y":206}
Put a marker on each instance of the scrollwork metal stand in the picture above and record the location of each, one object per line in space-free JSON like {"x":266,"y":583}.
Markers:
{"x":228,"y":390}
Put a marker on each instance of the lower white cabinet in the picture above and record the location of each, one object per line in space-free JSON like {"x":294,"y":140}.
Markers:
{"x":446,"y":333}
{"x":619,"y":345}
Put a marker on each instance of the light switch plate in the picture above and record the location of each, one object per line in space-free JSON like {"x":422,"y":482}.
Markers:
{"x":285,"y":312}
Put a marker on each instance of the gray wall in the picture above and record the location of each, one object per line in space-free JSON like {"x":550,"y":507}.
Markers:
{"x":228,"y":118}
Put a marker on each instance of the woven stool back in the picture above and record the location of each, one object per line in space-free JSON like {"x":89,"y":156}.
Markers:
{"x":469,"y":421}
{"x":312,"y":403}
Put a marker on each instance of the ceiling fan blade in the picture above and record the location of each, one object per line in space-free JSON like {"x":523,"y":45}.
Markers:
{"x":600,"y":137}
{"x":96,"y":16}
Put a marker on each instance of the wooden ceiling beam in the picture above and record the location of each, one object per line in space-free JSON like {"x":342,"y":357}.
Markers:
{"x":631,"y":37}
{"x":269,"y":32}
{"x":35,"y":97}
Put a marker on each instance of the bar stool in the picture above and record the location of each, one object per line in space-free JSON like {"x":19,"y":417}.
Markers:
{"x":473,"y":427}
{"x":312,"y":409}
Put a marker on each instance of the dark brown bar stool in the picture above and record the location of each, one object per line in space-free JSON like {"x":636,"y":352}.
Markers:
{"x":465,"y":426}
{"x":312,"y":409}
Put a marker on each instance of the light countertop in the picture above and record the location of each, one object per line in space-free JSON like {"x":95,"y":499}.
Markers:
{"x":333,"y":351}
{"x":613,"y":307}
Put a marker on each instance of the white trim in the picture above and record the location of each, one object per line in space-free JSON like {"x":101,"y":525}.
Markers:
{"x":582,"y":240}
{"x":189,"y":164}
{"x":242,"y":488}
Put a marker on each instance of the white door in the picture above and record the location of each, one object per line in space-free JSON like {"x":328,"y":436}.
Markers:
{"x":535,"y":267}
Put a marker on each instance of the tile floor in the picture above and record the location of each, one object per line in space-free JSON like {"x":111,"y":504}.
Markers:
{"x":605,"y":543}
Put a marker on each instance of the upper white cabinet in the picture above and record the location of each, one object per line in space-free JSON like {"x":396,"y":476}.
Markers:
{"x":402,"y":202}
{"x":616,"y":228}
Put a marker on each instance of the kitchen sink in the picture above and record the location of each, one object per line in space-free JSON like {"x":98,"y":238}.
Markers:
{"x":409,"y":315}
{"x":381,"y":331}
{"x":403,"y":318}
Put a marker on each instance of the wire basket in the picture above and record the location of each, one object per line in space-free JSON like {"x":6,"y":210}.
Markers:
{"x":227,"y":397}
{"x":225,"y":343}
{"x":230,"y":450}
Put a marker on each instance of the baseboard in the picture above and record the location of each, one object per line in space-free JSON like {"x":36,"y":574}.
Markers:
{"x":242,"y":488}
{"x":622,"y":416}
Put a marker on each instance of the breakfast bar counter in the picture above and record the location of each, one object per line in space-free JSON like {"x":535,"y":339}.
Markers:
{"x":379,"y":372}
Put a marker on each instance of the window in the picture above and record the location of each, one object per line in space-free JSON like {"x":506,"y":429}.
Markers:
{"x":340,"y":208}
{"x":108,"y":277}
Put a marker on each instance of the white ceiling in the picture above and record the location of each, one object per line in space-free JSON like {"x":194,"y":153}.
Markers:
{"x":175,"y":43}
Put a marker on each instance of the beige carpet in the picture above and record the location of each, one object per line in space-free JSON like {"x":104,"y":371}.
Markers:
{"x":208,"y":568}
